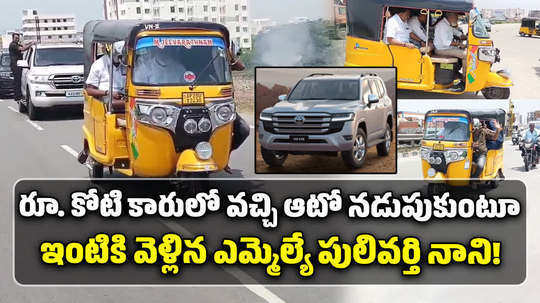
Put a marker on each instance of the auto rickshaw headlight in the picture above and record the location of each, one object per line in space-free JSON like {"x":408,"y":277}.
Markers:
{"x":190,"y":126}
{"x":455,"y":155}
{"x":205,"y":125}
{"x":224,"y":113}
{"x":424,"y":153}
{"x":159,"y":116}
{"x":487,"y":53}
{"x":204,"y":150}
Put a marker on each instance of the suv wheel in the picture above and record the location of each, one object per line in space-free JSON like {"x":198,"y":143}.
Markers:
{"x":273,"y":158}
{"x":356,"y":157}
{"x":33,"y":112}
{"x":383,"y":149}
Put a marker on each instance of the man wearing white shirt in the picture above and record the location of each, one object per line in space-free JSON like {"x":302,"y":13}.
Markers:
{"x":97,"y":82}
{"x":444,"y":38}
{"x":419,"y":33}
{"x":397,"y":31}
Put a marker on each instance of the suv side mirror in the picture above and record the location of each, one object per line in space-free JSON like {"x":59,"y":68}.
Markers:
{"x":373,"y":99}
{"x":282,"y":98}
{"x":23,"y":64}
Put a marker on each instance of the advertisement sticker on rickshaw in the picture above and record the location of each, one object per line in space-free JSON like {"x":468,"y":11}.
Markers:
{"x":190,"y":77}
{"x":473,"y":63}
{"x":179,"y":41}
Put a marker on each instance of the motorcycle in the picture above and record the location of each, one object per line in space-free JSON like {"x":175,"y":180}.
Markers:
{"x":516,"y":137}
{"x":529,"y":152}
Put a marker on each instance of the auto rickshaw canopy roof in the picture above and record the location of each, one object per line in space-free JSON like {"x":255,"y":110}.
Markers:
{"x":484,"y":115}
{"x":365,"y":17}
{"x":110,"y":31}
{"x":529,"y":22}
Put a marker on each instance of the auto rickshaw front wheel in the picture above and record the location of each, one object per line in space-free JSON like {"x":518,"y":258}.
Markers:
{"x":501,"y":93}
{"x":497,"y":181}
{"x":95,"y":169}
{"x":436,"y":189}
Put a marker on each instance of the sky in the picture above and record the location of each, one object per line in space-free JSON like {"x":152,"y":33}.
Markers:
{"x":278,"y":10}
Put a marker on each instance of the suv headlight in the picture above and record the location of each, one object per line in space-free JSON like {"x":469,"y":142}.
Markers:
{"x":487,"y":53}
{"x":222,"y":113}
{"x":455,"y":155}
{"x":38,"y":79}
{"x":342,"y":117}
{"x":267,"y":117}
{"x":160,"y":115}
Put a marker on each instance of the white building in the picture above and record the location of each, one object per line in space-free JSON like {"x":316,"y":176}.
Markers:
{"x":260,"y":25}
{"x":234,"y":14}
{"x":48,"y":28}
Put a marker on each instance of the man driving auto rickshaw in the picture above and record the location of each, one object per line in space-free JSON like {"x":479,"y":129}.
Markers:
{"x":423,"y":69}
{"x":447,"y":153}
{"x":178,"y":116}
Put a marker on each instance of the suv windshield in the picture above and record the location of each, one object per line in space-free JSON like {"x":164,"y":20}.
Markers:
{"x":444,"y":128}
{"x":326,"y":90}
{"x":180,"y":60}
{"x":59,"y":56}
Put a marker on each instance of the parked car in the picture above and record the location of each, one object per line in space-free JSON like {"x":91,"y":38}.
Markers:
{"x":52,"y":76}
{"x":329,"y":114}
{"x":6,"y":77}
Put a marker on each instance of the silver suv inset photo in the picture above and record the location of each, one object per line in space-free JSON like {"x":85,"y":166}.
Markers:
{"x":332,"y":112}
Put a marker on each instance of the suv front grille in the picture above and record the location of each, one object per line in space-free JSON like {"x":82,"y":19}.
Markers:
{"x":302,"y":124}
{"x":68,"y":81}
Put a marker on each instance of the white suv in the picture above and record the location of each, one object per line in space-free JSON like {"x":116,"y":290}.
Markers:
{"x":52,"y":76}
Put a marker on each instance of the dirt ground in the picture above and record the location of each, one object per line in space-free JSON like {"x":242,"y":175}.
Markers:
{"x":244,"y":92}
{"x":309,"y":164}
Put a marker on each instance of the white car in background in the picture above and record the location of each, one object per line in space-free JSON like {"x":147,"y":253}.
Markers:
{"x":52,"y":76}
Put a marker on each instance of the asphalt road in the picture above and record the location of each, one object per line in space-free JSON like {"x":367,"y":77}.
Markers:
{"x":520,"y":55}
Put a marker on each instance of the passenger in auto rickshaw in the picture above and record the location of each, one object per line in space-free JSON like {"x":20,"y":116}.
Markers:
{"x":448,"y":42}
{"x":397,"y":31}
{"x":97,"y":83}
{"x":417,"y":24}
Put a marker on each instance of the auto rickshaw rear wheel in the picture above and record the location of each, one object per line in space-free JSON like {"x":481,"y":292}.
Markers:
{"x":95,"y":169}
{"x":502,"y":93}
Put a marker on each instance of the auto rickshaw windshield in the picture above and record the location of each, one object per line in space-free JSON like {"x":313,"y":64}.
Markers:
{"x":180,"y":60}
{"x":444,"y":128}
{"x":479,"y":28}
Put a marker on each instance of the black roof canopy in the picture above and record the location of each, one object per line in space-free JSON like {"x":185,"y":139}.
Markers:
{"x":110,"y":31}
{"x":364,"y":17}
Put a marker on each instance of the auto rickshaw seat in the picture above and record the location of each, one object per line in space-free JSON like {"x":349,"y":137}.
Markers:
{"x":443,"y":59}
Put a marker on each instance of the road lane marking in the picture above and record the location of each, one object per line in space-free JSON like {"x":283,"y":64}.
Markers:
{"x":11,"y":108}
{"x":34,"y":124}
{"x":241,"y":276}
{"x":73,"y":152}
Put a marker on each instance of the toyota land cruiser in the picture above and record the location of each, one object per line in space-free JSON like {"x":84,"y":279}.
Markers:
{"x":52,"y":76}
{"x":327,"y":114}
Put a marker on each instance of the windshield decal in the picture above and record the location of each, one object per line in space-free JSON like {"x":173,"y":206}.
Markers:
{"x":190,"y":77}
{"x":187,"y":42}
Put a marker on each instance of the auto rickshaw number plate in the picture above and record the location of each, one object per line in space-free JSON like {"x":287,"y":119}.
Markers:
{"x":439,"y":147}
{"x":193,"y":98}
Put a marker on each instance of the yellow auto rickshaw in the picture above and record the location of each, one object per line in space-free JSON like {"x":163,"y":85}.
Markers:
{"x":177,"y":111}
{"x":447,"y":150}
{"x":530,"y":27}
{"x":419,"y":68}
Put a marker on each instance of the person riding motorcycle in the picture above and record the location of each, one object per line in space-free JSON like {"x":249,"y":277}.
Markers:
{"x":531,"y":135}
